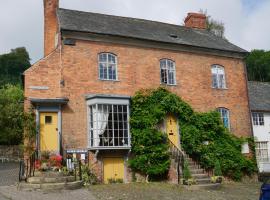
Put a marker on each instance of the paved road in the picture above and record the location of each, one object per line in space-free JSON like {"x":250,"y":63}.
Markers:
{"x":9,"y":173}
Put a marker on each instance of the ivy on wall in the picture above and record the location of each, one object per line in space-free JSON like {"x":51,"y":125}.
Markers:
{"x":203,"y":136}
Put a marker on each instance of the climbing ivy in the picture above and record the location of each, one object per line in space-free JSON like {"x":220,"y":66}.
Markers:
{"x":202,"y":135}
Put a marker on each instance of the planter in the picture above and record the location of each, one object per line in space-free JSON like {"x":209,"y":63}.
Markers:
{"x":216,"y":179}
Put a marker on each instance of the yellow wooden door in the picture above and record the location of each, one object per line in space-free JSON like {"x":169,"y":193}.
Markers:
{"x":48,"y":132}
{"x":172,"y":130}
{"x":113,"y":169}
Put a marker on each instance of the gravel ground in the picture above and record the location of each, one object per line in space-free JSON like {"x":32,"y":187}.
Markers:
{"x":138,"y":191}
{"x":154,"y":191}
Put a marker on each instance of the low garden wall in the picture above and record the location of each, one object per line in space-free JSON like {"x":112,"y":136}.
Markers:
{"x":10,"y":153}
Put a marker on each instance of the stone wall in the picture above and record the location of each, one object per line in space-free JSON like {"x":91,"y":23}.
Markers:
{"x":10,"y":152}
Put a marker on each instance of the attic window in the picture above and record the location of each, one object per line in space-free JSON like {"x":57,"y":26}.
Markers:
{"x":173,"y":36}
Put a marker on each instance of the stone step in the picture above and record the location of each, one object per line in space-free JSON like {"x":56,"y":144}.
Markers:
{"x":196,"y":171}
{"x":211,"y":186}
{"x":48,"y":174}
{"x":50,"y":186}
{"x":203,"y":180}
{"x":59,"y":179}
{"x":200,"y":176}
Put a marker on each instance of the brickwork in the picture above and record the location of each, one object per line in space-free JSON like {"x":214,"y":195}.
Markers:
{"x":50,"y":25}
{"x":195,"y":20}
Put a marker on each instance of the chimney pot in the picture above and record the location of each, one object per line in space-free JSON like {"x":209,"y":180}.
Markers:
{"x":195,"y":20}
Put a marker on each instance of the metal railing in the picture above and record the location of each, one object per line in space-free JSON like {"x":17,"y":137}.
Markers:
{"x":27,"y":167}
{"x":179,"y":156}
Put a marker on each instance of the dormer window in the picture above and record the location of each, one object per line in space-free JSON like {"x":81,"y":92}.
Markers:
{"x":167,"y":72}
{"x":107,"y":63}
{"x":218,"y":77}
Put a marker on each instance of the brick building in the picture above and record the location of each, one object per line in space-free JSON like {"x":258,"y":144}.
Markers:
{"x":94,"y":63}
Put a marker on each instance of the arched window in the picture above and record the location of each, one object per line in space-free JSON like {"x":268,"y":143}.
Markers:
{"x":167,"y":72}
{"x":107,"y":63}
{"x":225,"y":116}
{"x":218,"y":77}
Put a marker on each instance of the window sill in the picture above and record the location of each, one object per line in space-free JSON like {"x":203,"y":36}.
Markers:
{"x":109,"y":148}
{"x":220,"y":88}
{"x":165,"y":84}
{"x":108,"y":80}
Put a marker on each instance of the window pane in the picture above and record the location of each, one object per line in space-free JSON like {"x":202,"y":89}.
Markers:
{"x":163,"y":75}
{"x":103,"y":57}
{"x":214,"y":81}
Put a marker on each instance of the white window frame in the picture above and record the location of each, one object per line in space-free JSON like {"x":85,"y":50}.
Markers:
{"x":168,"y":69}
{"x":222,"y":111}
{"x":218,"y":77}
{"x":258,"y":119}
{"x":261,"y":149}
{"x":106,"y":64}
{"x":110,"y":102}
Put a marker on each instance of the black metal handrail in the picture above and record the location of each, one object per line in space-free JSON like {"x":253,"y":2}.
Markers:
{"x":27,"y":167}
{"x":179,"y":157}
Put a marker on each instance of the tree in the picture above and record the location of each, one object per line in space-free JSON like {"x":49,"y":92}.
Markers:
{"x":214,"y":26}
{"x":258,"y":65}
{"x":11,"y":115}
{"x":12,"y":65}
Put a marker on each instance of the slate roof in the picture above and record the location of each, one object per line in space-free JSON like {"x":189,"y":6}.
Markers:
{"x":141,"y":29}
{"x":259,"y":95}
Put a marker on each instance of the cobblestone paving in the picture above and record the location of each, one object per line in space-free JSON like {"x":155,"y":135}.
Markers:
{"x":11,"y":192}
{"x":9,"y":173}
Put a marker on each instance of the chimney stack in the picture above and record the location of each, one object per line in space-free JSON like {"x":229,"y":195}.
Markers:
{"x":196,"y":20}
{"x":50,"y":25}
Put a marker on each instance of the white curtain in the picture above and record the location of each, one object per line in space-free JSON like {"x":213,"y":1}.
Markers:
{"x":100,"y":121}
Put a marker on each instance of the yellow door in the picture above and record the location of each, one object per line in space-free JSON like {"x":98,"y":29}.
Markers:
{"x":172,"y":130}
{"x":48,"y":132}
{"x":113,"y":169}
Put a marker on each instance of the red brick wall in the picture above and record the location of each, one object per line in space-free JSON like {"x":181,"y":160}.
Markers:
{"x":50,"y":25}
{"x":137,"y":68}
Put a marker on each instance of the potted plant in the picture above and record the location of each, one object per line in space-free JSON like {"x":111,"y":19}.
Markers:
{"x":217,"y":178}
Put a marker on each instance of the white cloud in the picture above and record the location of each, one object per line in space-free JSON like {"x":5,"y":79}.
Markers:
{"x":21,"y":21}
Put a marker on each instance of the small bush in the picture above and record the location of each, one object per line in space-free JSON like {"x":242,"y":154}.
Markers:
{"x":186,"y":171}
{"x":88,"y":177}
{"x":217,"y":169}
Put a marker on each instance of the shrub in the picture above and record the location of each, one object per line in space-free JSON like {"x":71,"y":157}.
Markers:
{"x":186,"y":171}
{"x":217,"y":169}
{"x":88,"y":177}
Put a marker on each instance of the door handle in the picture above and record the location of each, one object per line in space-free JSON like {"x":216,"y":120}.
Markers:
{"x":56,"y":129}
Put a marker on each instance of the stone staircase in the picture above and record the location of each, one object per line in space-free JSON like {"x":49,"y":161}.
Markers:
{"x":49,"y":181}
{"x":203,"y":180}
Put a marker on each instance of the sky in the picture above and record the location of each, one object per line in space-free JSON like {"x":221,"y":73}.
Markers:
{"x":246,"y":21}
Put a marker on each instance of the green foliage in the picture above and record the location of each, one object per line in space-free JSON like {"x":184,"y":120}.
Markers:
{"x":149,"y":146}
{"x":186,"y":171}
{"x":258,"y":65}
{"x":12,"y":65}
{"x":217,"y":169}
{"x":214,"y":26}
{"x":11,"y":115}
{"x":88,"y":177}
{"x":222,"y":145}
